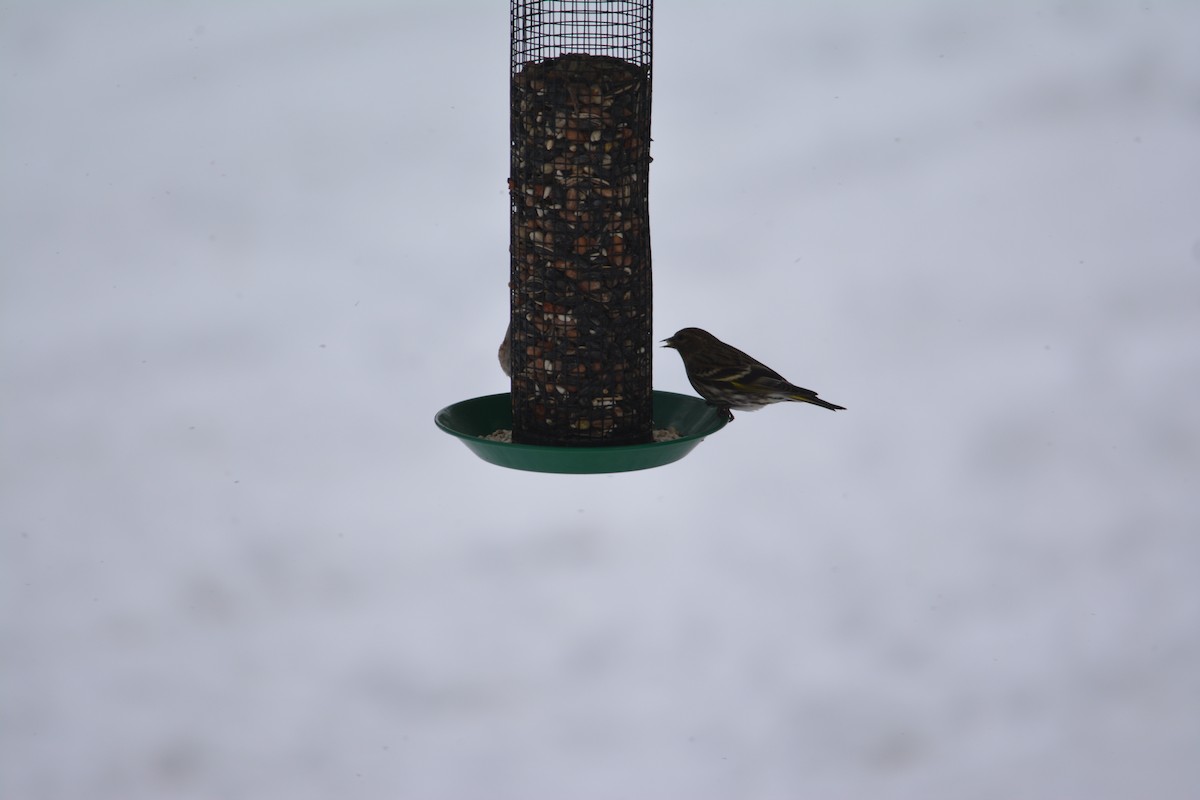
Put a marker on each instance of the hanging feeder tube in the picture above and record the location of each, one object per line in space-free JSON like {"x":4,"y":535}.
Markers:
{"x":580,"y":272}
{"x":580,"y":288}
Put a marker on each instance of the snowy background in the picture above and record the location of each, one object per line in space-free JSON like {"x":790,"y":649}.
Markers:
{"x":247,"y":250}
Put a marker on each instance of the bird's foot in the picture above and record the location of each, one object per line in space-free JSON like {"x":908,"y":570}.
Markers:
{"x":723,"y":409}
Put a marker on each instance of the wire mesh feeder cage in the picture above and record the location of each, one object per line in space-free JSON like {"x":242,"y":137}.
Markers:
{"x":580,"y":271}
{"x":580,"y":240}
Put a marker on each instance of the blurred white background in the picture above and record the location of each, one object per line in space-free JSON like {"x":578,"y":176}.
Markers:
{"x":247,"y":250}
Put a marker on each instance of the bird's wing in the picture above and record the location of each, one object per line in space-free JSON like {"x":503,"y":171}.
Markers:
{"x":801,"y":391}
{"x":764,"y":379}
{"x":726,"y":373}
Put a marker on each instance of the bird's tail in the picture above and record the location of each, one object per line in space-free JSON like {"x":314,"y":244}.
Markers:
{"x":816,"y":401}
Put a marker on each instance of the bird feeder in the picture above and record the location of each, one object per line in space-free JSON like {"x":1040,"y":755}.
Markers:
{"x":580,"y":270}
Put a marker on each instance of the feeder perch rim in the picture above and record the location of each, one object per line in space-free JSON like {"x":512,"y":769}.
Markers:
{"x":471,"y":420}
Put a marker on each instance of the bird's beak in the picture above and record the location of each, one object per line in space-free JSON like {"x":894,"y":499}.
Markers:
{"x":669,"y":341}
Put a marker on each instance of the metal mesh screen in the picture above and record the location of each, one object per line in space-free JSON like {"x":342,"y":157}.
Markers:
{"x":580,"y":239}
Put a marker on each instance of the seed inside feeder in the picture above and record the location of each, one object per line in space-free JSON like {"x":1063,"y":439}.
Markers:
{"x":581,"y":250}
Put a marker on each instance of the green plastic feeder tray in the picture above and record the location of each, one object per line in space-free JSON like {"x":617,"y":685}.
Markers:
{"x":473,"y":419}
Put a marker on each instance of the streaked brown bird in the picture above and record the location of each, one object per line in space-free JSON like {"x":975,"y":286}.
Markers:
{"x":730,"y":379}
